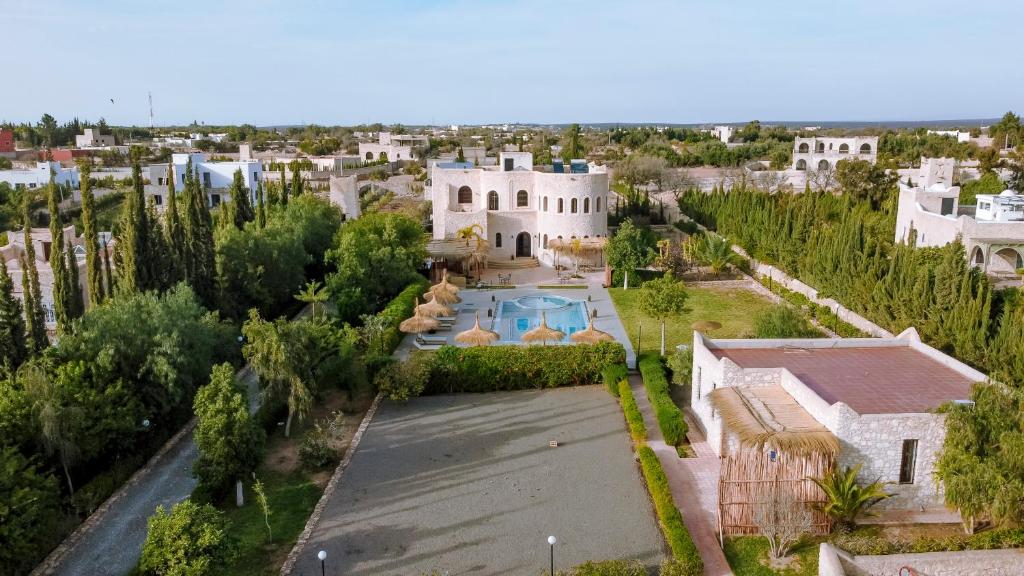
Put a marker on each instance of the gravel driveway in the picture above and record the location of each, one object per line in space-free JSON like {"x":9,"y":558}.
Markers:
{"x":467,"y":484}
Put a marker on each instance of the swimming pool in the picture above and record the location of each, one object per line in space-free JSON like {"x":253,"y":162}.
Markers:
{"x":521,"y":314}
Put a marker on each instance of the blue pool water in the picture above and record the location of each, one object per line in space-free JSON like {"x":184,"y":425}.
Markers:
{"x":522,"y":314}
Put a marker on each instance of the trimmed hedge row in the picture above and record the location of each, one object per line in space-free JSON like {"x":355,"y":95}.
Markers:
{"x":670,"y":418}
{"x":612,"y":375}
{"x":491,"y":368}
{"x":400,"y":308}
{"x":634,"y":418}
{"x":870,"y":542}
{"x":823,"y":314}
{"x":687,"y":558}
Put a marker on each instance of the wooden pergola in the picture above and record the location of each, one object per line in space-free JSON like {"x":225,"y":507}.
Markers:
{"x":580,"y":248}
{"x":770,"y":445}
{"x":468,"y":254}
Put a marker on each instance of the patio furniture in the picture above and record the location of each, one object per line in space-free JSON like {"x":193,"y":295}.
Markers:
{"x":429,"y":340}
{"x":423,"y":346}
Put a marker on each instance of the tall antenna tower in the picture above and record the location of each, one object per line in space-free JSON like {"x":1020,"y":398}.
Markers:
{"x":150,"y":110}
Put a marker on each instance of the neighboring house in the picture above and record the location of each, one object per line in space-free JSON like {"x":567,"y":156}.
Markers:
{"x":214,"y":177}
{"x":391,"y":146}
{"x":344,"y":194}
{"x":41,"y":242}
{"x":824,"y":153}
{"x":790,"y":403}
{"x":6,"y":142}
{"x":40,"y":175}
{"x":992,"y":232}
{"x":723,"y":133}
{"x":91,"y":138}
{"x":960,"y":136}
{"x":519,"y":208}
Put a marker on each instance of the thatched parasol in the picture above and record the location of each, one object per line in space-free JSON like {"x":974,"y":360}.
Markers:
{"x":442,"y":296}
{"x":543,"y":333}
{"x":445,"y":286}
{"x":477,"y":336}
{"x":705,"y":325}
{"x":435,"y":309}
{"x":591,"y":335}
{"x":418,"y":323}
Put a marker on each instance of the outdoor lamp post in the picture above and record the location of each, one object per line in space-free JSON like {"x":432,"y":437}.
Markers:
{"x":322,"y":555}
{"x":551,"y":541}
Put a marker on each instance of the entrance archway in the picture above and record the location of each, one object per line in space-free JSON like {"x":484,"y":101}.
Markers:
{"x":801,"y":164}
{"x":523,"y":245}
{"x":823,"y":166}
{"x":1006,"y":261}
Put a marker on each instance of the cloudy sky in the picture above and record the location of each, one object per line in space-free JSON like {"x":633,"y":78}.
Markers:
{"x":443,"y":62}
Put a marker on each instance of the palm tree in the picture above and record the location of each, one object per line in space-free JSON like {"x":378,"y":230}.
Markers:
{"x":846,"y":500}
{"x":313,"y":294}
{"x":57,"y":418}
{"x":470,"y":232}
{"x":716,"y":252}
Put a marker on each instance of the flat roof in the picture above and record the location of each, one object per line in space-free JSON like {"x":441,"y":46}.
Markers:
{"x":871,"y":380}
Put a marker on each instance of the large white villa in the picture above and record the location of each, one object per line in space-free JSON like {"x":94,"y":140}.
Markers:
{"x":992,"y":231}
{"x":818,"y":153}
{"x":40,"y":175}
{"x":215,"y":177}
{"x":518,"y":207}
{"x":391,"y":146}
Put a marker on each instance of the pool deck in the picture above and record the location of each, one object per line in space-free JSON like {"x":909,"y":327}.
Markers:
{"x":480,"y":300}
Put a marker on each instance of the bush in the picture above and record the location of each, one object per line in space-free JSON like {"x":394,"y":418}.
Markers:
{"x":870,"y":542}
{"x":487,"y":369}
{"x":29,"y":512}
{"x":687,"y":560}
{"x":681,"y":364}
{"x":634,"y":418}
{"x":400,"y":308}
{"x":607,"y":568}
{"x":670,"y":418}
{"x":782,"y":321}
{"x":316,"y":450}
{"x":403,"y":380}
{"x":191,"y":539}
{"x":612,"y":375}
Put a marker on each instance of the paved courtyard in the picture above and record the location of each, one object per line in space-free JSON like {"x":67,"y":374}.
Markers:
{"x":467,"y":484}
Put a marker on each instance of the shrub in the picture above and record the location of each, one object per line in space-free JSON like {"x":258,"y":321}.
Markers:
{"x":670,"y":418}
{"x":316,"y":450}
{"x":782,"y":321}
{"x":400,"y":308}
{"x":191,"y":539}
{"x":634,"y":418}
{"x":687,"y":560}
{"x":612,"y":375}
{"x":487,"y":369}
{"x":681,"y":364}
{"x":870,"y":542}
{"x":607,"y":568}
{"x":404,"y":380}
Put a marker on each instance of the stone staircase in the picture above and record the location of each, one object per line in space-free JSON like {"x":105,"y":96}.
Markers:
{"x":517,"y":264}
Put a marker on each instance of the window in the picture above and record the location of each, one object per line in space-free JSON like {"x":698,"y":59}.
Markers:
{"x":522,"y":199}
{"x":597,"y":204}
{"x":545,"y":203}
{"x":908,"y":461}
{"x":947,"y":206}
{"x":844,"y":148}
{"x":586,"y":205}
{"x":561,"y":205}
{"x":158,"y":199}
{"x":465,"y":195}
{"x":492,"y":200}
{"x":545,"y":241}
{"x":573,"y":205}
{"x":803,"y":148}
{"x":214,"y":200}
{"x":182,"y":179}
{"x":255,"y":177}
{"x":699,"y":375}
{"x":865,"y":148}
{"x":497,"y":240}
{"x":206,"y":180}
{"x":160,"y":181}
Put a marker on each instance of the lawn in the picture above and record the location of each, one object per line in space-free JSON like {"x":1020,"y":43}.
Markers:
{"x":748,"y":555}
{"x":733,"y":308}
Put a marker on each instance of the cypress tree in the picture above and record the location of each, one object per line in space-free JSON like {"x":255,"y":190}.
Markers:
{"x":62,"y":309}
{"x":174,"y":236}
{"x":12,"y":325}
{"x":297,"y":186}
{"x":76,"y":302}
{"x":242,"y":210}
{"x":273,"y":197}
{"x":131,"y":257}
{"x":157,"y":251}
{"x":198,"y":229}
{"x":108,"y":272}
{"x":93,"y":260}
{"x":261,"y":209}
{"x":35,"y":317}
{"x":284,"y":187}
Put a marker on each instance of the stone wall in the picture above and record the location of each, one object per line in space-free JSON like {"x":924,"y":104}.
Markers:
{"x":834,"y":562}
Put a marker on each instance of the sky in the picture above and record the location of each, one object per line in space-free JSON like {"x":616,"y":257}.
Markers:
{"x":488,"y":61}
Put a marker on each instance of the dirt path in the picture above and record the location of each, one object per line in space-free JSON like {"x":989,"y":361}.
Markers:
{"x":694,"y":483}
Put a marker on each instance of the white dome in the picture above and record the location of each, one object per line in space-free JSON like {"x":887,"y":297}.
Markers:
{"x":1008,"y":192}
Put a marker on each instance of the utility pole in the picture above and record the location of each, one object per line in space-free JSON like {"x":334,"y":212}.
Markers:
{"x":150,"y":110}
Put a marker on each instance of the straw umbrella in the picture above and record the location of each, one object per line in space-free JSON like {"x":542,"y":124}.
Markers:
{"x":445,"y":286}
{"x":435,"y":309}
{"x":442,"y":296}
{"x":591,"y":335}
{"x":477,"y":336}
{"x":418,"y":323}
{"x":543,"y":333}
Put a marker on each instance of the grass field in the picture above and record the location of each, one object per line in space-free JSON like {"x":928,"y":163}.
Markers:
{"x":733,"y":308}
{"x":748,"y":555}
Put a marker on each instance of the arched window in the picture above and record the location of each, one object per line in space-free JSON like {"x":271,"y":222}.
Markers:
{"x":573,"y":205}
{"x":823,"y":165}
{"x":497,"y":240}
{"x":801,"y":164}
{"x":597,"y":204}
{"x":586,"y":205}
{"x":382,"y":156}
{"x":465,"y":195}
{"x":561,"y":205}
{"x":844,"y":148}
{"x":545,"y":241}
{"x":545,"y":203}
{"x":492,"y":200}
{"x":803,"y":149}
{"x":865,"y":148}
{"x":821,"y":147}
{"x":522,"y":199}
{"x":369,"y":155}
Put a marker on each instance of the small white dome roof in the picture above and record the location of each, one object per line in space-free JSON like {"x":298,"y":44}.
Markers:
{"x":1008,"y":192}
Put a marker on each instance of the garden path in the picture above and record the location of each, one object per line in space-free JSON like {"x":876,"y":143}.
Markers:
{"x":694,"y":483}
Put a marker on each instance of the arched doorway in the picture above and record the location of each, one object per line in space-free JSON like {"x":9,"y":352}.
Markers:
{"x":1005,"y":261}
{"x":523,"y":245}
{"x":801,"y":164}
{"x":823,"y":166}
{"x":978,"y":257}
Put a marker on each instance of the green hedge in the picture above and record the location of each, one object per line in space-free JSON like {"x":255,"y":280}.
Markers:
{"x":823,"y":314}
{"x":400,"y":308}
{"x":670,"y":418}
{"x":869,"y":541}
{"x":486,"y":369}
{"x":612,"y":375}
{"x":634,"y":418}
{"x":687,"y":558}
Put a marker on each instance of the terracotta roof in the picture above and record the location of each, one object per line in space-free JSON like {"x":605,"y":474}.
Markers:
{"x":876,"y":380}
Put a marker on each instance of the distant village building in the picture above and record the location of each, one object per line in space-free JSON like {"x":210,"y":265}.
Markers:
{"x":960,"y":136}
{"x":817,"y":153}
{"x":40,"y":175}
{"x":779,"y":411}
{"x":6,"y":142}
{"x":91,"y":138}
{"x":520,"y":208}
{"x":214,"y":177}
{"x":723,"y":133}
{"x":391,"y":146}
{"x":992,"y":231}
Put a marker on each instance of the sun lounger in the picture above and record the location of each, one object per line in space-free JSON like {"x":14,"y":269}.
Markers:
{"x":432,"y":339}
{"x":423,"y":346}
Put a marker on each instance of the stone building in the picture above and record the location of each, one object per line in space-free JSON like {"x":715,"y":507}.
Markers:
{"x":215,"y":177}
{"x":992,"y":231}
{"x":876,"y":396}
{"x":518,"y":207}
{"x":817,"y":153}
{"x":391,"y":147}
